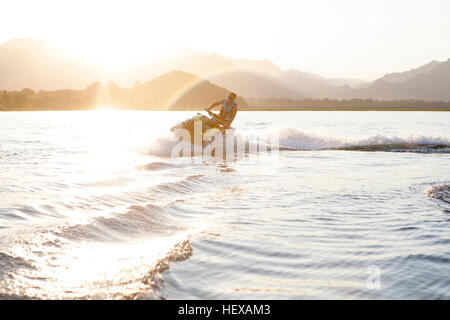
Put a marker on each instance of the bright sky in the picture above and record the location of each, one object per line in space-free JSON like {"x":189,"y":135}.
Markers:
{"x":345,"y":38}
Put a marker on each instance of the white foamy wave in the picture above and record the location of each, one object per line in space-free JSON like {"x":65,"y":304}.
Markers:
{"x":296,"y":139}
{"x":441,"y":192}
{"x":168,"y":145}
{"x":292,"y":138}
{"x":163,"y":146}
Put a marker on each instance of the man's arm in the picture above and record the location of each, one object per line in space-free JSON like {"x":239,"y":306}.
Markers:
{"x":218,"y":103}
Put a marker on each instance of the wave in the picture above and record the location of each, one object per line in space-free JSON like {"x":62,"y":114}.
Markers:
{"x":440,"y":192}
{"x":118,"y":253}
{"x":163,"y":146}
{"x":294,"y":139}
{"x":121,"y":256}
{"x":137,"y":220}
{"x":185,"y":186}
{"x":153,"y":278}
{"x":155,"y":166}
{"x":129,"y":275}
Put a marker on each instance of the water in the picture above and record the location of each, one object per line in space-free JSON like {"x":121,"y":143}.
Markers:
{"x":354,"y":206}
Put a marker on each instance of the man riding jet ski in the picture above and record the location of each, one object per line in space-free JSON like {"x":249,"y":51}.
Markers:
{"x":218,"y":122}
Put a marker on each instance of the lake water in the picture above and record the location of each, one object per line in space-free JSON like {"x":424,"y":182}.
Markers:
{"x":355,"y":205}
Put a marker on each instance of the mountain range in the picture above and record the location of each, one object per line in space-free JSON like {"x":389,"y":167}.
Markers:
{"x":40,"y":65}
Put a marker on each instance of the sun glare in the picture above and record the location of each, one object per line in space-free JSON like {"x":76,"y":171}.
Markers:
{"x":103,"y":51}
{"x":105,"y":109}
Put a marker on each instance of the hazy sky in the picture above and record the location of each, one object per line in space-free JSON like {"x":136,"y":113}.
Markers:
{"x":345,"y":38}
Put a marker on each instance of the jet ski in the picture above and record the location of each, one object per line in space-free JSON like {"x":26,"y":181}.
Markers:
{"x":210,"y":126}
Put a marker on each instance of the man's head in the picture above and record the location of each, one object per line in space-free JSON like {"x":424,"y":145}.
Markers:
{"x":232,"y":96}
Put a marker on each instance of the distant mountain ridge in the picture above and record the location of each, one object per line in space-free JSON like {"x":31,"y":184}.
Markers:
{"x":179,"y":90}
{"x":431,"y":83}
{"x":39,"y":65}
{"x":405,"y":76}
